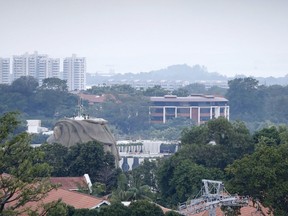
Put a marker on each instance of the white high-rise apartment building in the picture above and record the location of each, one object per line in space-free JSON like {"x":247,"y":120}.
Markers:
{"x":48,"y":67}
{"x":20,"y":66}
{"x":38,"y":66}
{"x":74,"y":71}
{"x":4,"y":70}
{"x":33,"y":64}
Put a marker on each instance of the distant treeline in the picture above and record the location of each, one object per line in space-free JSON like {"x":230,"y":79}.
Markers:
{"x":126,"y":109}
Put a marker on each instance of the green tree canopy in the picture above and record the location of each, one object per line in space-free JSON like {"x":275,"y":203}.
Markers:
{"x":270,"y":133}
{"x":195,"y":88}
{"x":25,"y":85}
{"x":129,"y":113}
{"x":216,"y":143}
{"x":54,"y":84}
{"x":55,"y":156}
{"x":83,"y":158}
{"x":114,"y":89}
{"x":157,"y":90}
{"x":22,"y":172}
{"x":263,"y":176}
{"x":246,"y":99}
{"x":179,"y":179}
{"x":88,"y":158}
{"x":145,"y":174}
{"x":145,"y":208}
{"x":115,"y":209}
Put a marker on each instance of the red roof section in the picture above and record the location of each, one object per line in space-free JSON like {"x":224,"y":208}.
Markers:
{"x":206,"y":213}
{"x":65,"y":194}
{"x":70,"y":183}
{"x":96,"y":98}
{"x":73,"y":198}
{"x":256,"y":210}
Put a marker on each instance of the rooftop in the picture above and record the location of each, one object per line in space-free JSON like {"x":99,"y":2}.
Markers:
{"x":256,"y":210}
{"x":191,"y":98}
{"x":76,"y":199}
{"x":70,"y":183}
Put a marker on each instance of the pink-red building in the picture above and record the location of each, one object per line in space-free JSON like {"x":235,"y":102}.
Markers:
{"x":199,"y":108}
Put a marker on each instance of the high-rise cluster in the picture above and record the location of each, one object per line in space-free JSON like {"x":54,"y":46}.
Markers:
{"x":42,"y":66}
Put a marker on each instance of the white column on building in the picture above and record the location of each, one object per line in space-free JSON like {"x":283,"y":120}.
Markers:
{"x":217,"y":112}
{"x":164,"y":114}
{"x":227,"y":112}
{"x":211,"y":114}
{"x":130,"y":162}
{"x":176,"y":112}
{"x":199,"y":115}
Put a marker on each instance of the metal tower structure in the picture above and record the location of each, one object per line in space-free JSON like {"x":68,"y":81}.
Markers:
{"x":212,"y":195}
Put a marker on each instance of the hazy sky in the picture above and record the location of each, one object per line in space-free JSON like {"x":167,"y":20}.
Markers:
{"x":227,"y":36}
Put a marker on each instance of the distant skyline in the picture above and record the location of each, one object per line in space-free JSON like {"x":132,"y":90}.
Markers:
{"x":226,"y":36}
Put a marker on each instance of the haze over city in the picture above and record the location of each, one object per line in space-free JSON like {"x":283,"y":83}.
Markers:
{"x":227,"y":36}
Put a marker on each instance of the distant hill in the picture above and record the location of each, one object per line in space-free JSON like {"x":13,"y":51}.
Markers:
{"x":178,"y":72}
{"x":174,"y":72}
{"x":273,"y":80}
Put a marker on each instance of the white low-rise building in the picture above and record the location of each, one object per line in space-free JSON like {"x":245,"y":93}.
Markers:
{"x":34,"y":126}
{"x":133,"y":152}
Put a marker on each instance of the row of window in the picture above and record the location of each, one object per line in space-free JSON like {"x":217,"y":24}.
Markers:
{"x":160,"y":118}
{"x":183,"y":104}
{"x":184,"y":110}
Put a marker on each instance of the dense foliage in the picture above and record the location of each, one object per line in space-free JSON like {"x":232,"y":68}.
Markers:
{"x":23,"y":177}
{"x":50,"y":101}
{"x":126,"y":108}
{"x":251,"y":102}
{"x":263,"y":176}
{"x":251,"y":162}
{"x":80,"y":159}
{"x":136,"y":208}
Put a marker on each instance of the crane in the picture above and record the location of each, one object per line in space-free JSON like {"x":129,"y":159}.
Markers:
{"x":212,"y":195}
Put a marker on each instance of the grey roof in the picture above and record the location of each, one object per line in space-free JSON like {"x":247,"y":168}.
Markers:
{"x":191,"y":98}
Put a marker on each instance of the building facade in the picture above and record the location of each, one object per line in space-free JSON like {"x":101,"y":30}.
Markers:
{"x":20,"y":66}
{"x":199,"y":108}
{"x":74,"y":71}
{"x":48,"y":68}
{"x":4,"y":70}
{"x":35,"y":65}
{"x":134,"y":152}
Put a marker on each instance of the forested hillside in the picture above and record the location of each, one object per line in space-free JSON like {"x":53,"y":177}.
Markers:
{"x":126,"y":109}
{"x":221,"y":149}
{"x":192,"y":74}
{"x":250,"y":164}
{"x":173,"y":72}
{"x":251,"y":102}
{"x":48,"y":102}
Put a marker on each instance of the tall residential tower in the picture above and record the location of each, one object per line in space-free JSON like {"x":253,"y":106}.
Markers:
{"x":4,"y":70}
{"x":38,"y":66}
{"x":47,"y":68}
{"x":20,"y":66}
{"x":74,"y":71}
